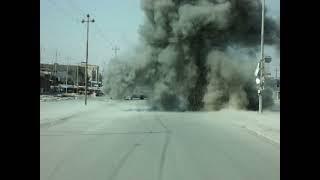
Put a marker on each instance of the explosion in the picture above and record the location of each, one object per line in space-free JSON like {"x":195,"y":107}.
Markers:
{"x":195,"y":55}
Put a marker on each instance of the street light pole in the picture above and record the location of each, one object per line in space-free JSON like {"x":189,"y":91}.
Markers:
{"x":261,"y":74}
{"x":55,"y":63}
{"x":77,"y":74}
{"x":86,"y":69}
{"x":77,"y":78}
{"x":67,"y":78}
{"x":97,"y":74}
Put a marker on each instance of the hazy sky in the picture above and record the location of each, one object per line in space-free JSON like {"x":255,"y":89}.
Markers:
{"x":117,"y":23}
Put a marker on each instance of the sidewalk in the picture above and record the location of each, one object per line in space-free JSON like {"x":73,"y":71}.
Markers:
{"x":266,"y":125}
{"x":55,"y":110}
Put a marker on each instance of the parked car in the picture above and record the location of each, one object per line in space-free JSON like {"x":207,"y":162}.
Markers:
{"x":143,"y":97}
{"x":99,"y":93}
{"x":135,"y":97}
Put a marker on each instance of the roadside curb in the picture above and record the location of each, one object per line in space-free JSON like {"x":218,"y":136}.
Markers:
{"x":272,"y":141}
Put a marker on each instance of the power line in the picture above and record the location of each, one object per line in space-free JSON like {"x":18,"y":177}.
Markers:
{"x":102,"y":35}
{"x":63,"y":11}
{"x":75,"y":7}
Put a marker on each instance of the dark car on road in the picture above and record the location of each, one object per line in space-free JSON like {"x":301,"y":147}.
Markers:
{"x":99,"y":93}
{"x":135,"y":97}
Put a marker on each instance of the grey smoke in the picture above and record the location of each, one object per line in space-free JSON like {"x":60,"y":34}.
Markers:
{"x":194,"y":55}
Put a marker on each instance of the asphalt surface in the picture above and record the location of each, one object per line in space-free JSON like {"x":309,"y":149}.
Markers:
{"x":123,"y":141}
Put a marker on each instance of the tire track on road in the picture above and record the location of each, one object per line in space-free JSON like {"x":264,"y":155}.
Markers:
{"x":163,"y":155}
{"x":122,"y":162}
{"x":124,"y":159}
{"x":70,"y":155}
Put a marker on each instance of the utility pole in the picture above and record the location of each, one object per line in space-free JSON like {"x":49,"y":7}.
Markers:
{"x":97,"y":74}
{"x":115,"y":48}
{"x":55,"y":63}
{"x":67,"y":78}
{"x":86,"y":71}
{"x":77,"y":77}
{"x":52,"y":70}
{"x":261,"y":74}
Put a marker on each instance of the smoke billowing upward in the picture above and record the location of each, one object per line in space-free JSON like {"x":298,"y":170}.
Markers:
{"x":195,"y":55}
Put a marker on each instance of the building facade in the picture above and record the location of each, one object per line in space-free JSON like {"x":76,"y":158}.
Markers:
{"x":57,"y":74}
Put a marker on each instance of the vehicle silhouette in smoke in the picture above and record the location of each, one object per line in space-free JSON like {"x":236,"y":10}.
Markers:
{"x":135,"y":97}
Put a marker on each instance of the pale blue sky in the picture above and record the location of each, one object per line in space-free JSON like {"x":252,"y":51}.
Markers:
{"x":61,"y":29}
{"x":117,"y":23}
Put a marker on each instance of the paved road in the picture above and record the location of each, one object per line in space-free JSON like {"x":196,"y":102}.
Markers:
{"x":120,"y":141}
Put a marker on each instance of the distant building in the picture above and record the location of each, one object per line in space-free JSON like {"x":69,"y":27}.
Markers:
{"x":55,"y":74}
{"x":93,"y":72}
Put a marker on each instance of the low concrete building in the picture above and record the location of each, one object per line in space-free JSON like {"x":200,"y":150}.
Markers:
{"x":56,"y":74}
